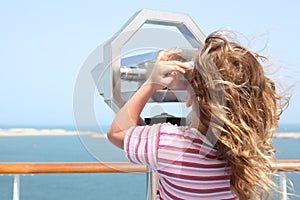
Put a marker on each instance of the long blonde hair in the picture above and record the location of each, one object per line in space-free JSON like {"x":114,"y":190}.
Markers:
{"x":239,"y":105}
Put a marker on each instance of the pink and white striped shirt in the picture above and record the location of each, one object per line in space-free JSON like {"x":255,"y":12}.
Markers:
{"x":187,"y":164}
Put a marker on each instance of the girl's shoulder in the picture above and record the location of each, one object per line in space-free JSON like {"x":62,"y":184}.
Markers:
{"x":168,"y":128}
{"x":184,"y":136}
{"x":181,"y":131}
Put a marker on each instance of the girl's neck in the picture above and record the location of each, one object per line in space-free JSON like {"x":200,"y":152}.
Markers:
{"x":197,"y":124}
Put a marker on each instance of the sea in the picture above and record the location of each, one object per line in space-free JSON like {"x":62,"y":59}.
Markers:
{"x":96,"y":186}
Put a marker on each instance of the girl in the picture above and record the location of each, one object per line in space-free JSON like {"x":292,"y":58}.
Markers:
{"x":226,"y":151}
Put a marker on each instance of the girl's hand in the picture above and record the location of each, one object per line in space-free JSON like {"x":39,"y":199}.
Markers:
{"x":164,"y":71}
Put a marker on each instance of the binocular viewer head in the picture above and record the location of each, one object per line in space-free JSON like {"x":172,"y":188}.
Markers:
{"x":120,"y":74}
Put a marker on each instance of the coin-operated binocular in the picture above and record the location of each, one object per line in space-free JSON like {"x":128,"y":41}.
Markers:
{"x":129,"y":56}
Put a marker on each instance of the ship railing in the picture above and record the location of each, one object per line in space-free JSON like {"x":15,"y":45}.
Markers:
{"x":18,"y":168}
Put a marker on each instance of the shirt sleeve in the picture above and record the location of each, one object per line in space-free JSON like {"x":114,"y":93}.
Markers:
{"x":140,"y":145}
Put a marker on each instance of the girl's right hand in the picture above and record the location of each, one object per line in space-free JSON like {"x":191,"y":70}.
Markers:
{"x":164,"y":71}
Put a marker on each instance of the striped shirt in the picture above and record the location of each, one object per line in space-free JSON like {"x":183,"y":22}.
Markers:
{"x":186,"y":162}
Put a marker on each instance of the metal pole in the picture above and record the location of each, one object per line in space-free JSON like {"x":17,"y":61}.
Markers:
{"x":283,"y":186}
{"x":152,"y":178}
{"x":16,"y":187}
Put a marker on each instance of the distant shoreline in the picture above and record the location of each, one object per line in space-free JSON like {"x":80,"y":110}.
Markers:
{"x":14,"y":132}
{"x":61,"y":132}
{"x":287,"y":135}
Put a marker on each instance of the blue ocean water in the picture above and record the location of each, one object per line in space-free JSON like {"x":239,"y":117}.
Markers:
{"x":67,"y":186}
{"x":90,"y":149}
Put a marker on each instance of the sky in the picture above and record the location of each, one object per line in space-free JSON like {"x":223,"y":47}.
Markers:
{"x":44,"y":44}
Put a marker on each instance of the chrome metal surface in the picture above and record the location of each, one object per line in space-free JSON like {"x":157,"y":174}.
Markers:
{"x":113,"y":74}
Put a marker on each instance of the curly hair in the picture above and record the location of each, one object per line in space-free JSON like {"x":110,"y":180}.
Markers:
{"x":239,"y":105}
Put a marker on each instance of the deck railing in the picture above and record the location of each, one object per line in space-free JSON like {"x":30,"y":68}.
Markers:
{"x":69,"y":167}
{"x":111,"y":167}
{"x":99,"y":167}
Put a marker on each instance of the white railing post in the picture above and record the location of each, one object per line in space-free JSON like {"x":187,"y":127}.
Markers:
{"x":16,"y":187}
{"x":152,"y":181}
{"x":283,"y":186}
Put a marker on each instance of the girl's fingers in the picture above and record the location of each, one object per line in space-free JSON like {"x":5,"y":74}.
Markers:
{"x":185,"y":65}
{"x":173,"y":68}
{"x":170,"y":66}
{"x":166,"y":54}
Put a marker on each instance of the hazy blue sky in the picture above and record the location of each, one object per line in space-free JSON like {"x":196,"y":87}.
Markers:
{"x":43,"y":45}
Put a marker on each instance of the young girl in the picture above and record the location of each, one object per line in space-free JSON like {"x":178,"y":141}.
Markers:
{"x":226,"y":151}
